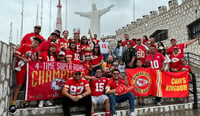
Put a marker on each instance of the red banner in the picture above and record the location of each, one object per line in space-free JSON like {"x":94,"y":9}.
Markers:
{"x":162,"y":84}
{"x":45,"y":80}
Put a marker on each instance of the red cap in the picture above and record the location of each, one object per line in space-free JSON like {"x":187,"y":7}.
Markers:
{"x":173,"y":39}
{"x":88,"y":54}
{"x":175,"y":48}
{"x":138,"y":39}
{"x":61,"y":53}
{"x":153,"y":45}
{"x":72,"y":41}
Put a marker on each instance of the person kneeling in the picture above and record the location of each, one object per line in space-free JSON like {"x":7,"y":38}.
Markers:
{"x":76,"y":92}
{"x":111,"y":86}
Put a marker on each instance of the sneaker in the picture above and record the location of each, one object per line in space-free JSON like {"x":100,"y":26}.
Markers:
{"x":25,"y":105}
{"x":158,"y":103}
{"x":12,"y":108}
{"x":132,"y":114}
{"x":48,"y":103}
{"x":41,"y":103}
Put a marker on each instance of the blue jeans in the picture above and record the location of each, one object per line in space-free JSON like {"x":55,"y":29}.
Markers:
{"x":105,"y":56}
{"x":117,"y":99}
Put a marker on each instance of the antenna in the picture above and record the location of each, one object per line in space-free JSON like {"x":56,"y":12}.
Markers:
{"x":17,"y":36}
{"x":50,"y":17}
{"x":133,"y":10}
{"x":66,"y":15}
{"x":59,"y":17}
{"x":10,"y":36}
{"x":22,"y":16}
{"x":41,"y":13}
{"x":37,"y":15}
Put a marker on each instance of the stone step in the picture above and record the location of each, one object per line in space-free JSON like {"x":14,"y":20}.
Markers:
{"x":57,"y":111}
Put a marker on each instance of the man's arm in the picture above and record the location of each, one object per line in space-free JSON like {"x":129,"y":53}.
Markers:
{"x":192,"y":41}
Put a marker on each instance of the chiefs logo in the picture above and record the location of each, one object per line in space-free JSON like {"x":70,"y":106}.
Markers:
{"x":57,"y":84}
{"x":142,"y":82}
{"x":175,"y":59}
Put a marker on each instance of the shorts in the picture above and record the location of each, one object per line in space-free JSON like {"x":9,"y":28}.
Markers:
{"x":21,"y":76}
{"x":99,"y":99}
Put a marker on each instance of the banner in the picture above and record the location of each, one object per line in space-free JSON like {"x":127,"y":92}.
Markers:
{"x":155,"y":82}
{"x":45,"y":80}
{"x":123,"y":89}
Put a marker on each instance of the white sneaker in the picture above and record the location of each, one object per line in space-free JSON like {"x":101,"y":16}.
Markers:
{"x":49,"y":103}
{"x":41,"y":103}
{"x":132,"y":114}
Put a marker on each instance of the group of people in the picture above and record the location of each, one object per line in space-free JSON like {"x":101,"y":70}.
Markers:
{"x":106,"y":68}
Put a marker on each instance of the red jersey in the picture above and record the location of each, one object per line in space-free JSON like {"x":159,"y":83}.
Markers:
{"x":44,"y":57}
{"x":144,"y":42}
{"x":62,"y":43}
{"x":45,"y":46}
{"x":180,"y":46}
{"x":96,"y":59}
{"x":78,"y":47}
{"x":124,"y":43}
{"x":111,"y":84}
{"x":141,"y":52}
{"x":184,"y":68}
{"x":96,"y":41}
{"x":84,"y":47}
{"x":76,"y":88}
{"x":25,"y":51}
{"x":156,"y":60}
{"x":28,"y":38}
{"x":98,"y":86}
{"x":175,"y":60}
{"x":88,"y":64}
{"x":73,"y":55}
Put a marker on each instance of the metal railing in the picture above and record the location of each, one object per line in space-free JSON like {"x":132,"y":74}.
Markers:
{"x":194,"y":60}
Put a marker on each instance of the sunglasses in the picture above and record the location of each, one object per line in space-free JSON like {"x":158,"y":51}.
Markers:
{"x":77,"y":74}
{"x":116,"y":73}
{"x":37,"y":28}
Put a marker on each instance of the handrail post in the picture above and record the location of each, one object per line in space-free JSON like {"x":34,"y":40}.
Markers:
{"x":195,"y":105}
{"x":188,"y":58}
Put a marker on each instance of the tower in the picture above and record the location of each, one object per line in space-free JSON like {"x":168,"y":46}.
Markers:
{"x":22,"y":17}
{"x":10,"y":36}
{"x":59,"y":18}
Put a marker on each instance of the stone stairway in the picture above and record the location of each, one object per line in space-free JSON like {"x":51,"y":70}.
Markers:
{"x":168,"y":104}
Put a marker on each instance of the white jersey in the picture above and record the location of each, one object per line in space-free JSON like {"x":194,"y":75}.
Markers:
{"x":104,"y":47}
{"x":122,"y":68}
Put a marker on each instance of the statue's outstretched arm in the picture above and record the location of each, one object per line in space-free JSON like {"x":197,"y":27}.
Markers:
{"x":83,"y":14}
{"x":103,"y":11}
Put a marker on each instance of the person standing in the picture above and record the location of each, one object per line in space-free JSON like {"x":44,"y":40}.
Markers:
{"x":23,"y":54}
{"x":111,"y":86}
{"x":72,"y":55}
{"x":28,"y":38}
{"x":126,"y":37}
{"x":76,"y":92}
{"x":63,"y":42}
{"x":156,"y":61}
{"x":119,"y":50}
{"x":180,"y":46}
{"x":104,"y":48}
{"x":93,"y":39}
{"x":129,"y":56}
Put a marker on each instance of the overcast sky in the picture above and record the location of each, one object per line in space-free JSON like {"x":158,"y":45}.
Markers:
{"x":120,"y":15}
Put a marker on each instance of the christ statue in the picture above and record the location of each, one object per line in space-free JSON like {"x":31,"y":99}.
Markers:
{"x":94,"y":17}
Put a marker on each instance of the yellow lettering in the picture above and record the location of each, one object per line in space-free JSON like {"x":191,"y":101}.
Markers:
{"x":56,"y":73}
{"x":48,"y":76}
{"x":34,"y":73}
{"x":63,"y":73}
{"x":41,"y":77}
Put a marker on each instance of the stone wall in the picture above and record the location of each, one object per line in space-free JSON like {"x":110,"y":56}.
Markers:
{"x":6,"y":76}
{"x":175,"y":20}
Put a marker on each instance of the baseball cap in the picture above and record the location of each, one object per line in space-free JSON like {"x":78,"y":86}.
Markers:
{"x":153,"y":45}
{"x":61,"y":53}
{"x":77,"y":72}
{"x":138,"y":39}
{"x":175,"y":48}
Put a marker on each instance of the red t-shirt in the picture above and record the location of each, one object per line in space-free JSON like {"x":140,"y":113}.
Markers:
{"x":180,"y":46}
{"x":156,"y":61}
{"x":184,"y":68}
{"x":44,"y":57}
{"x":144,"y":42}
{"x":175,"y":60}
{"x":28,"y":38}
{"x":73,"y":55}
{"x":96,"y":41}
{"x":124,"y":43}
{"x":96,"y":59}
{"x":111,"y":84}
{"x":25,"y":51}
{"x":98,"y":86}
{"x":141,"y":53}
{"x":62,"y":43}
{"x":84,"y":47}
{"x":76,"y":88}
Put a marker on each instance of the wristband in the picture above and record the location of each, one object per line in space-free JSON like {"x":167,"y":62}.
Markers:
{"x":82,"y":95}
